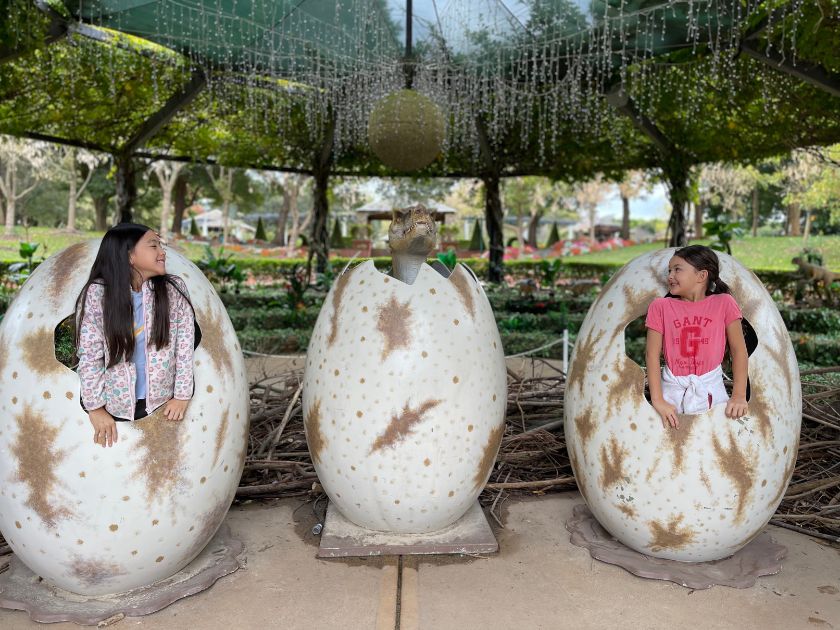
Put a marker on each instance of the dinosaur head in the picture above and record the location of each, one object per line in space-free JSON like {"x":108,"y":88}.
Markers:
{"x":412,"y":231}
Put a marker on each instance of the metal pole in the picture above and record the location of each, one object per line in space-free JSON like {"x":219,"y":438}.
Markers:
{"x":565,"y":351}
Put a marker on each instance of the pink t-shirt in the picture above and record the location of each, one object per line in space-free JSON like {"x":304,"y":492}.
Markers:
{"x":693,"y":333}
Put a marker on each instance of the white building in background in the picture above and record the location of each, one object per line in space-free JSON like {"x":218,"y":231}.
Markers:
{"x":211,"y":224}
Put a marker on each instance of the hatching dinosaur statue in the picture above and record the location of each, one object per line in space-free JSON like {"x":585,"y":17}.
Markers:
{"x":411,"y":239}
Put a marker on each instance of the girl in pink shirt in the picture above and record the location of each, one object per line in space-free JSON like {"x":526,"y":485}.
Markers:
{"x":693,"y":324}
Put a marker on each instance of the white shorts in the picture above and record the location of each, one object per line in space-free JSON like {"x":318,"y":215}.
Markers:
{"x":692,"y":393}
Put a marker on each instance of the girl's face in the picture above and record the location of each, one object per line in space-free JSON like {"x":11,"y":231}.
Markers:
{"x":684,"y":280}
{"x":148,"y":257}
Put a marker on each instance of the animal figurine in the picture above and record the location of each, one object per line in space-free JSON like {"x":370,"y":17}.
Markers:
{"x":817,"y":275}
{"x":411,"y":238}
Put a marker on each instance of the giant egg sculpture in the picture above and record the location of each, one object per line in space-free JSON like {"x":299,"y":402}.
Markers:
{"x":705,"y":490}
{"x":95,"y":520}
{"x":404,"y":397}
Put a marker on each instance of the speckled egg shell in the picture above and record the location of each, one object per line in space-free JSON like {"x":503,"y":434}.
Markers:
{"x":701,"y":492}
{"x":404,"y":397}
{"x":96,"y":520}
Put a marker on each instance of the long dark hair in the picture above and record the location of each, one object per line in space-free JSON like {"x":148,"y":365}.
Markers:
{"x":112,"y":270}
{"x":703,"y":258}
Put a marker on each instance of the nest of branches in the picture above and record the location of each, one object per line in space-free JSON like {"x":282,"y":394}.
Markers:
{"x":533,"y":456}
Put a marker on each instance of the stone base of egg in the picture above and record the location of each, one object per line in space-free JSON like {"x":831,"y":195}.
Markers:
{"x":404,"y":397}
{"x":95,"y":520}
{"x":703,"y":491}
{"x":21,"y":589}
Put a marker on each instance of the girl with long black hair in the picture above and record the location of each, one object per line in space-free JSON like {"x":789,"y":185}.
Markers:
{"x":135,"y":329}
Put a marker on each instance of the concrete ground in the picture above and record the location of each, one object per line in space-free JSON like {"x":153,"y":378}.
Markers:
{"x":537,"y":580}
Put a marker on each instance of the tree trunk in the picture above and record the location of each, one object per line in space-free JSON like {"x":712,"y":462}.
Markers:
{"x":755,"y":208}
{"x":625,"y":217}
{"x":71,"y":205}
{"x":166,"y":205}
{"x":678,"y":186}
{"x":494,"y":216}
{"x":807,"y":232}
{"x":100,"y":208}
{"x":698,"y":220}
{"x":10,"y":213}
{"x":126,"y":187}
{"x":179,"y":204}
{"x":591,"y":211}
{"x":794,"y":216}
{"x":533,"y":228}
{"x":319,"y":242}
{"x":283,"y":213}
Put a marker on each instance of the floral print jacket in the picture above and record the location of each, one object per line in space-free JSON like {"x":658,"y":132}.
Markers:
{"x":169,"y":370}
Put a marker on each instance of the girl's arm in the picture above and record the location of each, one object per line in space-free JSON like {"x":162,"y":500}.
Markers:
{"x":91,"y":352}
{"x":91,"y":370}
{"x":737,"y":405}
{"x":184,"y":338}
{"x":667,"y":412}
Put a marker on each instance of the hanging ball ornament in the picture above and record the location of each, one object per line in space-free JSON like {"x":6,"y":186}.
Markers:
{"x":406,"y":130}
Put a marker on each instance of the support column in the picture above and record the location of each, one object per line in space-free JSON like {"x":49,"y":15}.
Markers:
{"x":319,"y":236}
{"x":494,"y":216}
{"x":679,"y":192}
{"x":126,"y":186}
{"x":493,"y":211}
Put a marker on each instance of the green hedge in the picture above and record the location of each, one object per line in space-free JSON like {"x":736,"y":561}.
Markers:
{"x":811,"y":320}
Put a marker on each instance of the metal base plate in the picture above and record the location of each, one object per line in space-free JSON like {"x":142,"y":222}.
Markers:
{"x":21,"y":589}
{"x":471,"y":534}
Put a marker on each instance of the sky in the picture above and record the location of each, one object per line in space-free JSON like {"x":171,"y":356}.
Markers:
{"x":652,"y":206}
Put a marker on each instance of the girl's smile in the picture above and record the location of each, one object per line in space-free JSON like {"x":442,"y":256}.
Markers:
{"x":148,"y":258}
{"x":685,"y":281}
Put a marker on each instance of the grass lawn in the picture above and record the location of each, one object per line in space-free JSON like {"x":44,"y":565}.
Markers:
{"x":53,"y":241}
{"x":762,"y":252}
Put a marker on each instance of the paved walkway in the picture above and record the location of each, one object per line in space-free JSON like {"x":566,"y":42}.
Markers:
{"x":538,"y":580}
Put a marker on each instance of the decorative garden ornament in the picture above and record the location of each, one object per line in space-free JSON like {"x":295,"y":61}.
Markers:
{"x":95,"y":520}
{"x":406,"y":130}
{"x":405,"y":389}
{"x":700,"y":492}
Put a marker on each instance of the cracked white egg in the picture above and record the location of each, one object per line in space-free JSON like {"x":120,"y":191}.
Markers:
{"x":405,"y":390}
{"x":700,"y":492}
{"x":96,"y":520}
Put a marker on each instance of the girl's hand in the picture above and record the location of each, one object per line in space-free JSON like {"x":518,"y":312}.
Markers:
{"x":736,"y":407}
{"x":175,"y":409}
{"x":104,"y":427}
{"x":668,"y":413}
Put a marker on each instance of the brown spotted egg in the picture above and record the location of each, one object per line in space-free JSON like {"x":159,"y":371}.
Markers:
{"x":700,"y":492}
{"x":404,"y":397}
{"x":96,"y":520}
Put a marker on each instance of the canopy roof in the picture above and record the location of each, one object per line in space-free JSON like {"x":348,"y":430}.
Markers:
{"x":564,"y":88}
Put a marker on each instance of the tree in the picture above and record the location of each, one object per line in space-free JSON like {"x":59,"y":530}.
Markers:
{"x":21,"y":163}
{"x":223,"y":183}
{"x":477,"y":239}
{"x":167,"y":175}
{"x":587,"y":196}
{"x":798,"y":173}
{"x":260,"y":233}
{"x":101,"y":190}
{"x":631,"y":186}
{"x":69,"y":161}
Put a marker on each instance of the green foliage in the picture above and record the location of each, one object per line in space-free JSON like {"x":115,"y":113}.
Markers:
{"x":221,"y":269}
{"x":477,"y":240}
{"x":336,"y":240}
{"x":194,"y":228}
{"x":722,"y":233}
{"x":554,"y":235}
{"x":20,"y":272}
{"x":550,"y":271}
{"x":297,"y":282}
{"x":260,"y":233}
{"x":448,"y":258}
